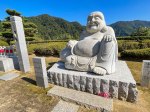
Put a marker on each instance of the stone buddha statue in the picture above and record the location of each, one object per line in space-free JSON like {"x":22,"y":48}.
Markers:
{"x":97,"y":49}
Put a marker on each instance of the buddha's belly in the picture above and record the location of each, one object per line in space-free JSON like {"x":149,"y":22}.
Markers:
{"x":87,"y":48}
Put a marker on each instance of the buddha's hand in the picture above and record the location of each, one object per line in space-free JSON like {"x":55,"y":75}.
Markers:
{"x":108,"y":38}
{"x":71,"y":44}
{"x":99,"y":70}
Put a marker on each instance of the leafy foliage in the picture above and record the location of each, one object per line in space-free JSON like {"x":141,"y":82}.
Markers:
{"x":125,"y":28}
{"x":56,"y":28}
{"x":142,"y":31}
{"x":137,"y":53}
{"x":5,"y":27}
{"x":3,"y":43}
{"x":50,"y":49}
{"x":1,"y":26}
{"x":13,"y":12}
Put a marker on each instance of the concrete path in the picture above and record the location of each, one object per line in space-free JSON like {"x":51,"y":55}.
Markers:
{"x":83,"y":98}
{"x":63,"y":106}
{"x":9,"y":76}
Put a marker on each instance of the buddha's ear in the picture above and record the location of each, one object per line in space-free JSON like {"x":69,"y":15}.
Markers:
{"x":104,"y":29}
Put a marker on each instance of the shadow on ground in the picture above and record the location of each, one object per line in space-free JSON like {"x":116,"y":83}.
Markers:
{"x":50,"y":65}
{"x":31,"y":81}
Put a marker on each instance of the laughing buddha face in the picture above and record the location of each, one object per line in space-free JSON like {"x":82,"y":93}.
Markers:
{"x":95,"y":22}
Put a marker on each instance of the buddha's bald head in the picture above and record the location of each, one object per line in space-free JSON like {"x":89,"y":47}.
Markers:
{"x":95,"y":22}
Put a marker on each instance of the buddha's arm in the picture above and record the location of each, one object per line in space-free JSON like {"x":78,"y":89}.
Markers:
{"x":107,"y":55}
{"x":67,"y":50}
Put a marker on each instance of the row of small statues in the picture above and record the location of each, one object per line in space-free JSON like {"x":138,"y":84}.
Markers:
{"x":97,"y":49}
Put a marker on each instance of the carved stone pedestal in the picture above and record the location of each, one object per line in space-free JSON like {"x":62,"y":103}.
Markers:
{"x":120,"y":85}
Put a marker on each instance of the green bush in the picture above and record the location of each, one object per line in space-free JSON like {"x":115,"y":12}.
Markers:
{"x":33,"y":39}
{"x":31,"y":48}
{"x":133,"y":38}
{"x":145,"y":44}
{"x":30,"y":38}
{"x":3,"y":43}
{"x":12,"y":42}
{"x":50,"y":49}
{"x":126,"y":45}
{"x":7,"y":35}
{"x":139,"y":53}
{"x":47,"y":41}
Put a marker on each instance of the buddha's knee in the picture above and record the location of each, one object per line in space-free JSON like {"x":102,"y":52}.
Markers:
{"x":70,"y":62}
{"x":65,"y":53}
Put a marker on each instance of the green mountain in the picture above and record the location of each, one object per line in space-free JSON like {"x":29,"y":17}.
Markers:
{"x":0,"y":26}
{"x":56,"y":28}
{"x":50,"y":27}
{"x":125,"y":28}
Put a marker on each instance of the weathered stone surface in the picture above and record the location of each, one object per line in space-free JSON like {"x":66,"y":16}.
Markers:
{"x":113,"y":89}
{"x":83,"y":83}
{"x":116,"y":85}
{"x":63,"y":106}
{"x":6,"y":64}
{"x":70,"y":81}
{"x":18,"y":33}
{"x":90,"y":100}
{"x":123,"y":90}
{"x":76,"y":82}
{"x":104,"y":88}
{"x":9,"y":76}
{"x":89,"y":85}
{"x":96,"y":51}
{"x":40,"y":72}
{"x":96,"y":86}
{"x":64,"y":79}
{"x":132,"y":93}
{"x":145,"y":79}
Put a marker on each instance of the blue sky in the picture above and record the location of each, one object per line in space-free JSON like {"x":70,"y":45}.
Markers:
{"x":78,"y":10}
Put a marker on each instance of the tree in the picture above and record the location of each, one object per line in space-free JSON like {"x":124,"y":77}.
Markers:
{"x":13,"y":12}
{"x":29,"y":27}
{"x":142,"y":31}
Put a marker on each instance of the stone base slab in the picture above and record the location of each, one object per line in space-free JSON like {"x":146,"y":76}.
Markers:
{"x":82,"y":98}
{"x":119,"y":85}
{"x":63,"y":106}
{"x":9,"y":76}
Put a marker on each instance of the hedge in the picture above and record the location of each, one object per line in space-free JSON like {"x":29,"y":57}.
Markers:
{"x":133,"y":38}
{"x":130,"y":45}
{"x":47,"y":41}
{"x":126,"y":45}
{"x":139,"y":53}
{"x":3,"y":43}
{"x":50,"y":49}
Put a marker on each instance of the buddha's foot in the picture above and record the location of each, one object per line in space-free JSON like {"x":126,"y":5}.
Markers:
{"x":99,"y":70}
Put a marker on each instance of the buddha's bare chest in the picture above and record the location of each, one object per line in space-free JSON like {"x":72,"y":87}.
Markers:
{"x":87,"y":47}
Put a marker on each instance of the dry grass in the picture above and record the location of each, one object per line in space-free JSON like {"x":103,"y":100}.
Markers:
{"x":143,"y":103}
{"x":22,"y":94}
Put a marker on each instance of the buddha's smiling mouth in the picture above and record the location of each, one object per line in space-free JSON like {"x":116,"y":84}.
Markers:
{"x":92,"y":24}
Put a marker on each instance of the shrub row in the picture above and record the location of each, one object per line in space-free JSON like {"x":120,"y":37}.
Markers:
{"x":133,"y":38}
{"x":3,"y":43}
{"x":47,"y":41}
{"x":139,"y":53}
{"x":51,"y":49}
{"x":128,"y":45}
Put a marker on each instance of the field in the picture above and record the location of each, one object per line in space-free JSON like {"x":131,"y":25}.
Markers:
{"x":22,"y":94}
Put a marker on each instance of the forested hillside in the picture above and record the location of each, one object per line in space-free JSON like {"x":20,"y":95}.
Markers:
{"x":56,"y":28}
{"x":125,"y":28}
{"x":0,"y":26}
{"x":50,"y":27}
